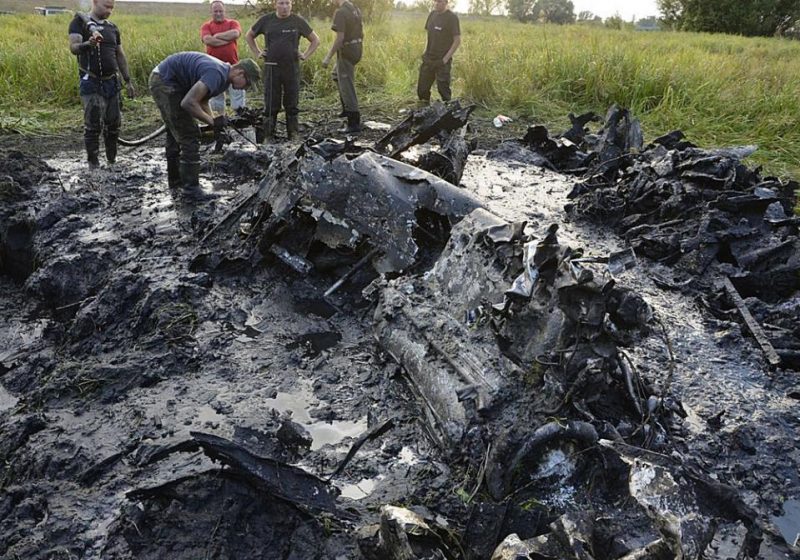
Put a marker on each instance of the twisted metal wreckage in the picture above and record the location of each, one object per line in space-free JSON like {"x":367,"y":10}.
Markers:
{"x":514,"y":342}
{"x":519,"y":348}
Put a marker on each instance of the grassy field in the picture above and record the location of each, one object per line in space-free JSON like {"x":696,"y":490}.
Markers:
{"x":720,"y":90}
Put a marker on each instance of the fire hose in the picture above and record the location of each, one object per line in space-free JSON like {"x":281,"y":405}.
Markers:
{"x":245,"y":118}
{"x":144,"y":139}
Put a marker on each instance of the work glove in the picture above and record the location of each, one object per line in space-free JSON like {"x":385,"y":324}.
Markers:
{"x":220,"y":123}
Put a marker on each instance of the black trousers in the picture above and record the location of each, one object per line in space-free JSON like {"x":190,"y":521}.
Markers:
{"x":430,"y":71}
{"x":281,"y":86}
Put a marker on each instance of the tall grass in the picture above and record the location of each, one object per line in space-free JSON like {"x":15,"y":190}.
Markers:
{"x":720,"y":90}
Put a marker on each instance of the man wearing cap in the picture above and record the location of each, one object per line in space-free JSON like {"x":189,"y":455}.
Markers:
{"x":219,"y":35}
{"x":348,"y":49}
{"x":98,"y":45}
{"x":444,"y":38}
{"x":282,"y":31}
{"x":181,"y":85}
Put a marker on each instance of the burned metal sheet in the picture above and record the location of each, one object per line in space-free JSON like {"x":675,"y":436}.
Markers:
{"x":380,"y":198}
{"x":284,"y":481}
{"x":423,"y":125}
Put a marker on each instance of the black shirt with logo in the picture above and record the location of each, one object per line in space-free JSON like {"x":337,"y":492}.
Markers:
{"x":282,"y":35}
{"x":347,"y":19}
{"x":100,"y":62}
{"x":442,"y":27}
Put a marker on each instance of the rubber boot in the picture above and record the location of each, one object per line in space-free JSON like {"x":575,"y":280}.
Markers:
{"x":92,"y":152}
{"x":174,"y":173}
{"x":190,"y":180}
{"x":111,"y":147}
{"x":190,"y":187}
{"x":353,"y":123}
{"x":292,"y":127}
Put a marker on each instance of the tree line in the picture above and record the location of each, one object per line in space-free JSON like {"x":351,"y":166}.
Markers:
{"x":737,"y":17}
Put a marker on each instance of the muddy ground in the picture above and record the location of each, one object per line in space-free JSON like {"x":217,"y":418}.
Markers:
{"x":116,"y":346}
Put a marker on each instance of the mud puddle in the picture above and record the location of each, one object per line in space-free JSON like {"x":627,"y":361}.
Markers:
{"x":120,"y":350}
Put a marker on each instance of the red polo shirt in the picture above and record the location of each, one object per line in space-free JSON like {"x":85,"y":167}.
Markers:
{"x":229,"y":53}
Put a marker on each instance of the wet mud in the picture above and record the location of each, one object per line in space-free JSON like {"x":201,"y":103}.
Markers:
{"x":493,"y":373}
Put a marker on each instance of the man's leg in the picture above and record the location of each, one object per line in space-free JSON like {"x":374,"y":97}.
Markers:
{"x":443,"y":81}
{"x":238,"y":98}
{"x":427,"y":74}
{"x":113,"y":121}
{"x":93,"y":109}
{"x":291,"y":98}
{"x":183,"y":136}
{"x":345,"y":78}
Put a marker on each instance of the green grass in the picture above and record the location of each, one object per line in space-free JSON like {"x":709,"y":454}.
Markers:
{"x":720,"y":90}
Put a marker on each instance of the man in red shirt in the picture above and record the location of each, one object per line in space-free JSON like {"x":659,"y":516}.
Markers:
{"x":219,"y":35}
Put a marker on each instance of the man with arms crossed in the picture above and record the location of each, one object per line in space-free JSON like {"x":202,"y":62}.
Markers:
{"x":282,"y":31}
{"x":219,"y":35}
{"x":98,"y":45}
{"x":444,"y":38}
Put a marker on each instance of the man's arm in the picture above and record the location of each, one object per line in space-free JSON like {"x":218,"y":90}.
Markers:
{"x":453,"y":48}
{"x":250,"y":37}
{"x":122,"y":63}
{"x":337,"y":44}
{"x":77,"y":44}
{"x":313,"y":44}
{"x":193,"y":103}
{"x":228,"y":36}
{"x":212,"y":41}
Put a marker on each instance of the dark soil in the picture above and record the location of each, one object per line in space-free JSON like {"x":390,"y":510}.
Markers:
{"x":116,"y":346}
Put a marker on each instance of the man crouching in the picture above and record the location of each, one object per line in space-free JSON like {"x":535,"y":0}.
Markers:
{"x":181,"y":86}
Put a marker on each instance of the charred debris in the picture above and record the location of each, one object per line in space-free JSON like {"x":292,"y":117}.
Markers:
{"x":515,"y":345}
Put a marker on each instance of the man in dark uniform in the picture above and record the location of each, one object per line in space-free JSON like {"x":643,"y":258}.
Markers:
{"x":348,"y":49}
{"x":181,"y":86}
{"x":98,"y":45}
{"x":444,"y":38}
{"x":282,"y":31}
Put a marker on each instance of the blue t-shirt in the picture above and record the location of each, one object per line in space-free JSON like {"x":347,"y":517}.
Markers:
{"x":184,"y":69}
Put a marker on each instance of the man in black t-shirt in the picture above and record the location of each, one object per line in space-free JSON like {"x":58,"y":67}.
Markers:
{"x":282,"y":31}
{"x":97,"y":44}
{"x":444,"y":38}
{"x":348,"y":49}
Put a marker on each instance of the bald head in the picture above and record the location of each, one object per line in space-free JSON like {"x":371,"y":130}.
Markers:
{"x":218,"y":11}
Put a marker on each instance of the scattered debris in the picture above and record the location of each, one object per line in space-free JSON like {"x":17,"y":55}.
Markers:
{"x":535,"y":373}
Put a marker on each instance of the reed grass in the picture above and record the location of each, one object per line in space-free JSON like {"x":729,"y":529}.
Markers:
{"x":720,"y":90}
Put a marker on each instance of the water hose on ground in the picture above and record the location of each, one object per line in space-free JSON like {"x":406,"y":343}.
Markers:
{"x":141,"y":141}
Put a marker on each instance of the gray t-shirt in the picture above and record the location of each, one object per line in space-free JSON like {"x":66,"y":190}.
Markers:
{"x":184,"y":69}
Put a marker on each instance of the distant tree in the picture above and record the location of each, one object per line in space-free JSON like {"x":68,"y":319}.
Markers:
{"x":555,"y":11}
{"x":614,"y":22}
{"x":521,"y":10}
{"x":485,"y":7}
{"x":671,"y":13}
{"x":373,"y":10}
{"x":649,"y":21}
{"x":739,"y":17}
{"x":586,"y":15}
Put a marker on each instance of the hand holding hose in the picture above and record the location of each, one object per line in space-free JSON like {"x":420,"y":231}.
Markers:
{"x":96,"y":38}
